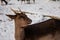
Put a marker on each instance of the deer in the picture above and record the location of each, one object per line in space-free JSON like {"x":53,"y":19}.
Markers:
{"x":21,"y":20}
{"x":47,"y":30}
{"x":23,"y":1}
{"x":28,"y":1}
{"x":33,"y":1}
{"x":4,"y":1}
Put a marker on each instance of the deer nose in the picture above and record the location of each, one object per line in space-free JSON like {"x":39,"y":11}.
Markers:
{"x":29,"y":21}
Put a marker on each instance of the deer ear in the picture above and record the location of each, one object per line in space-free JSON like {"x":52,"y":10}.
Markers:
{"x":11,"y":16}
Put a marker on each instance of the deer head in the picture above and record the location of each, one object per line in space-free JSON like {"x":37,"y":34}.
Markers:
{"x":20,"y":17}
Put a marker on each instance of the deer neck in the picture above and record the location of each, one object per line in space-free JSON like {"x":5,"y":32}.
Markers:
{"x":20,"y":23}
{"x":19,"y":32}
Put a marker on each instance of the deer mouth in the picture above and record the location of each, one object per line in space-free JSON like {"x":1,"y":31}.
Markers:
{"x":22,"y":27}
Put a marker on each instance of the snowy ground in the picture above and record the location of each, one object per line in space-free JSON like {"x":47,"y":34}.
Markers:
{"x":7,"y":27}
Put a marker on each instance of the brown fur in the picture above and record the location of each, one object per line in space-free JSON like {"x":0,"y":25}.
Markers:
{"x":21,"y":20}
{"x":47,"y":30}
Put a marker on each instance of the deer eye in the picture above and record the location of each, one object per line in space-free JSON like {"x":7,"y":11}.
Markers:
{"x":22,"y":16}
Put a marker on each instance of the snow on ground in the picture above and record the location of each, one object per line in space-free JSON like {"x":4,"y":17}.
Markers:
{"x":7,"y":27}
